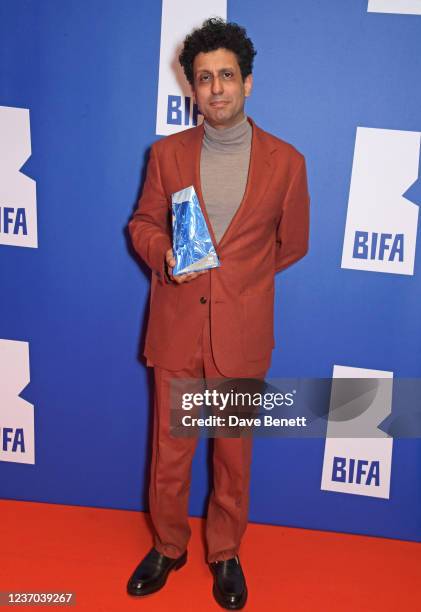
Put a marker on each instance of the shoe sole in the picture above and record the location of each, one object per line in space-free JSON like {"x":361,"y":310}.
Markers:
{"x":147,"y":591}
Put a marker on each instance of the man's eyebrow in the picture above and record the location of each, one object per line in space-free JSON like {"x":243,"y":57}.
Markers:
{"x":231,"y":68}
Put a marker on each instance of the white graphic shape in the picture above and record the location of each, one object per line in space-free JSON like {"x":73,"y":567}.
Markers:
{"x":178,"y":19}
{"x":405,"y":7}
{"x":360,"y":453}
{"x":18,"y":214}
{"x":381,"y":224}
{"x":16,"y":414}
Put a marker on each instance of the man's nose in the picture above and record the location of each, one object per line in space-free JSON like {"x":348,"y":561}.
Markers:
{"x":217,"y":86}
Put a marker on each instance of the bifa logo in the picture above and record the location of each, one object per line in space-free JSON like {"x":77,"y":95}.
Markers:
{"x":175,"y":109}
{"x":182,"y":111}
{"x":16,"y":414}
{"x":18,"y":214}
{"x":358,"y":455}
{"x":374,"y":246}
{"x":404,"y":7}
{"x":12,"y":440}
{"x":381,"y":223}
{"x":359,"y":471}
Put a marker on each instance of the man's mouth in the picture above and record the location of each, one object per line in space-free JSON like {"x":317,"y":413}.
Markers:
{"x":219,"y":103}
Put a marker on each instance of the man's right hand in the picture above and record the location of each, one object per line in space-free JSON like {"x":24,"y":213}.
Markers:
{"x":179,"y":278}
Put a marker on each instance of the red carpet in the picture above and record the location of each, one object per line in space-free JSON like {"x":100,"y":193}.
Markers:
{"x":91,"y":551}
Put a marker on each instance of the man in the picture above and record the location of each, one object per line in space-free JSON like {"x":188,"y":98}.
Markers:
{"x":217,"y":323}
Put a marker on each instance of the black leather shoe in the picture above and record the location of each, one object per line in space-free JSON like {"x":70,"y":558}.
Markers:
{"x":151,"y":574}
{"x":229,"y":584}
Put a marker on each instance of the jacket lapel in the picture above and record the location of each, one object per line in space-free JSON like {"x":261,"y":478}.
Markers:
{"x":260,"y":172}
{"x":261,"y":168}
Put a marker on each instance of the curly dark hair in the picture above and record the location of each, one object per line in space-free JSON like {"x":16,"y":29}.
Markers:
{"x":216,"y":33}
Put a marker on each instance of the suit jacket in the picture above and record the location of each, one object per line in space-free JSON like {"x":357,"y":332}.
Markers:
{"x":267,"y":234}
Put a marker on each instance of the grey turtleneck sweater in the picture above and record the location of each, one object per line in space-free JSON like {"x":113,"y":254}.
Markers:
{"x":224,"y":165}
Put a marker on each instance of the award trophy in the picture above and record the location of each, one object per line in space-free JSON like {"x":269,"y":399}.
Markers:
{"x":192,"y":245}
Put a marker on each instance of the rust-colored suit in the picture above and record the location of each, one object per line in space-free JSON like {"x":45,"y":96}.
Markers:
{"x":229,"y":309}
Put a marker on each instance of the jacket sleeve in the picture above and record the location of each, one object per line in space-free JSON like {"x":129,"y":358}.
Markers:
{"x":293,"y":229}
{"x":149,"y":226}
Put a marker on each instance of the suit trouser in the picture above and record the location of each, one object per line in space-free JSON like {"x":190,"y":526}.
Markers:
{"x":171,"y":472}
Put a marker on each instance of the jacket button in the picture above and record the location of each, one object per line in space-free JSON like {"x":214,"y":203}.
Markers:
{"x":203,"y":300}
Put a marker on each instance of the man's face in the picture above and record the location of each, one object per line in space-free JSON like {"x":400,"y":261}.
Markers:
{"x":219,"y":89}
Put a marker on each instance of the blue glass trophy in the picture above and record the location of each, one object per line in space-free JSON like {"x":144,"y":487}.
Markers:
{"x":192,"y":245}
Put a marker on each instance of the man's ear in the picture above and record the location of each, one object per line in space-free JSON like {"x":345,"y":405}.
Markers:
{"x":248,"y":85}
{"x":193,"y":93}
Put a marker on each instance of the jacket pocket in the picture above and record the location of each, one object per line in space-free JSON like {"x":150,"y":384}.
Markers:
{"x":258,"y":340}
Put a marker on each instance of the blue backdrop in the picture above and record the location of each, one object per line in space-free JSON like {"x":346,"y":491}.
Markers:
{"x":88,"y":72}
